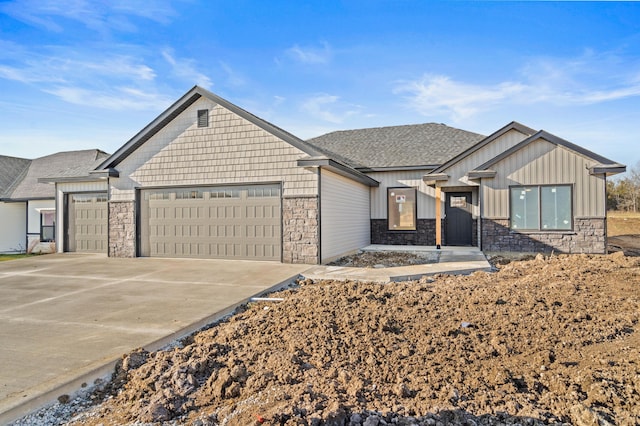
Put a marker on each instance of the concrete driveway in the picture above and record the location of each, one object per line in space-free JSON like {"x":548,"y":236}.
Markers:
{"x":66,"y":318}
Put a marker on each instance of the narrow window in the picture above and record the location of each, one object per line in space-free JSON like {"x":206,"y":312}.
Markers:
{"x":401,"y":206}
{"x":47,"y":226}
{"x":203,"y":118}
{"x":541,"y":208}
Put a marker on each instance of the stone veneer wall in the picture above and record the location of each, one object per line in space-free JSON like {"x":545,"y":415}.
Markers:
{"x":424,"y":235}
{"x":588,"y":236}
{"x":122,"y":229}
{"x":300,"y":233}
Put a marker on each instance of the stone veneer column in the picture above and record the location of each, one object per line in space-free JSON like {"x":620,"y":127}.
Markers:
{"x":122,"y":229}
{"x":300,"y":233}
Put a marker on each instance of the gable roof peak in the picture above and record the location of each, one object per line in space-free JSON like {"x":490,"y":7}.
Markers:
{"x":179,"y":106}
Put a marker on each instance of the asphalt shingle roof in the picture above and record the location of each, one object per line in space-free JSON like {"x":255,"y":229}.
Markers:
{"x":11,"y":170}
{"x":61,"y":164}
{"x":396,"y":146}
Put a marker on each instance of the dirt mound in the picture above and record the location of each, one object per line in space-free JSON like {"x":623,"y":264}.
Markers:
{"x":543,"y":341}
{"x":386,"y":259}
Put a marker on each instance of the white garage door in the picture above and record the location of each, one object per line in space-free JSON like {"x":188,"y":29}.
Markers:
{"x":87,"y":222}
{"x":236,"y":222}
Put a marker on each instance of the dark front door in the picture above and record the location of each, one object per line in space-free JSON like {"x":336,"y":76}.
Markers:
{"x":458,"y":229}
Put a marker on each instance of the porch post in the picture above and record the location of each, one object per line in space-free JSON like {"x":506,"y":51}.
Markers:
{"x":438,"y":218}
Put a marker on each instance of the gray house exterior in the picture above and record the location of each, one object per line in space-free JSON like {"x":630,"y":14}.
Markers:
{"x":209,"y":179}
{"x":27,"y":204}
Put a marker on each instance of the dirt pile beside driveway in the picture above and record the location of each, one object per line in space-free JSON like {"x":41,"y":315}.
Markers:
{"x":548,"y":340}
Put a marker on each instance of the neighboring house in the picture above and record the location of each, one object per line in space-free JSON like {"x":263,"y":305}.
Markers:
{"x":27,"y":206}
{"x":209,"y":179}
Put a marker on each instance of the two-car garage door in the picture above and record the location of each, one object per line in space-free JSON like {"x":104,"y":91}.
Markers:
{"x":235,"y":222}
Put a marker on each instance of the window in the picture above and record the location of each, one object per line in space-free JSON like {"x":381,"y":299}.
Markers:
{"x":203,"y":118}
{"x":189,"y":194}
{"x":401,"y":206}
{"x":541,"y":208}
{"x":47,"y":226}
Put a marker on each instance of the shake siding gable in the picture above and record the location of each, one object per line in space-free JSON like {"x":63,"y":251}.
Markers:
{"x":231,"y":150}
{"x":544,"y":163}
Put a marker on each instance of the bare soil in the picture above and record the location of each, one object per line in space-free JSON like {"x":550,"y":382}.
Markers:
{"x":386,"y":259}
{"x":623,"y":231}
{"x":545,"y":341}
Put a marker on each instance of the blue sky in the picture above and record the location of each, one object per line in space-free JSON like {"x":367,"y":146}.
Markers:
{"x":82,"y":74}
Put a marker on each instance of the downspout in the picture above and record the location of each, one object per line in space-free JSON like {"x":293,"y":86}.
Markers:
{"x":438,"y":217}
{"x":319,"y":216}
{"x":26,"y":233}
{"x":480,"y":206}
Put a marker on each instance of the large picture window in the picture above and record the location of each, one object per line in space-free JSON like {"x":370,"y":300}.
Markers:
{"x":541,"y":208}
{"x":401,"y":205}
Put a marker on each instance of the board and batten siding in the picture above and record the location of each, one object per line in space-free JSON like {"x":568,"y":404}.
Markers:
{"x":231,"y":150}
{"x":12,"y":227}
{"x":544,"y":163}
{"x":426,"y":203}
{"x":457,"y":172}
{"x":63,"y":188}
{"x":344,"y":212}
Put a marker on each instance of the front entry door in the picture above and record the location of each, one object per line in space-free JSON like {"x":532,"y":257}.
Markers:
{"x":458,"y":223}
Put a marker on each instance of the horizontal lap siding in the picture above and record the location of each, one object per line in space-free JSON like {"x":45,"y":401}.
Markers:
{"x":344,"y":207}
{"x":230,"y":150}
{"x":426,"y":194}
{"x":12,"y":227}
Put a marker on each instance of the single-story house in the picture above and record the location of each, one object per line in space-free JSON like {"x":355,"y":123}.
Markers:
{"x":209,"y":179}
{"x":27,"y":206}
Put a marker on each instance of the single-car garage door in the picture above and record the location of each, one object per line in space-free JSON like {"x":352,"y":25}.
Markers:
{"x":87,"y":222}
{"x":235,"y":222}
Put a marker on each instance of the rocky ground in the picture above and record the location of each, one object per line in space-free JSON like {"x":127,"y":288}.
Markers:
{"x":386,"y":259}
{"x":544,"y":341}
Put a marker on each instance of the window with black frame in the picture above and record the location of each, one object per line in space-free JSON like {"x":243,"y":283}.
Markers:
{"x":541,"y":208}
{"x":47,"y":226}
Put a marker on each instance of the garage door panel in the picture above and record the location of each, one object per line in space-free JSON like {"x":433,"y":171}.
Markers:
{"x":86,"y":229}
{"x":238,"y":222}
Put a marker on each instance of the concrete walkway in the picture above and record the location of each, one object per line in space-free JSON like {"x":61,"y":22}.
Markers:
{"x":65,"y":319}
{"x":452,"y":260}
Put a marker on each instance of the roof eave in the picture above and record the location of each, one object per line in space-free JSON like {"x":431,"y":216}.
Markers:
{"x":397,"y":168}
{"x":339,"y":168}
{"x":607,"y":169}
{"x":432,"y":179}
{"x":481,"y":174}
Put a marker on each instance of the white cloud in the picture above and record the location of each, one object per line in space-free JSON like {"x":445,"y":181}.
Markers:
{"x":186,"y":69}
{"x":94,"y":14}
{"x":587,"y":80}
{"x":110,"y":81}
{"x":311,"y":55}
{"x":329,"y":108}
{"x":116,"y":98}
{"x":233,"y":77}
